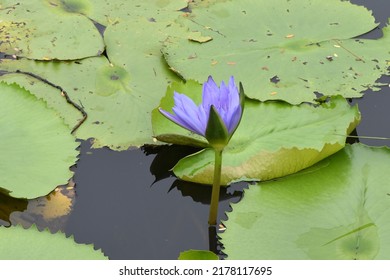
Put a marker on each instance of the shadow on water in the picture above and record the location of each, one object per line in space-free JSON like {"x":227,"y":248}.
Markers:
{"x":10,"y":205}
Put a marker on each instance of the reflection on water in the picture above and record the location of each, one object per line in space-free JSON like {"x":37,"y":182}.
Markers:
{"x":50,"y":211}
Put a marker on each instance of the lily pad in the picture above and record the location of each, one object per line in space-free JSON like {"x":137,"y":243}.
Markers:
{"x":36,"y":146}
{"x":115,"y":117}
{"x":30,"y":244}
{"x":283,"y":51}
{"x":82,"y":7}
{"x":198,"y":255}
{"x":111,"y":12}
{"x":337,"y":209}
{"x":274,"y":138}
{"x":117,"y":94}
{"x":43,"y":30}
{"x":40,"y":89}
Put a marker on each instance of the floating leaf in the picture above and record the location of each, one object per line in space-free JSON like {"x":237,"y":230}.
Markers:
{"x":43,"y":30}
{"x":111,"y":12}
{"x":275,"y":55}
{"x":198,"y":255}
{"x":337,"y":209}
{"x":72,"y":6}
{"x":273,"y":139}
{"x":30,"y":244}
{"x":42,"y":90}
{"x":118,"y":95}
{"x":36,"y":146}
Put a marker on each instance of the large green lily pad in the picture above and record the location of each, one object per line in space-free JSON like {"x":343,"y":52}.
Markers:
{"x":17,"y":243}
{"x":118,"y":107}
{"x":41,"y":30}
{"x":274,"y":138}
{"x":36,"y":146}
{"x":52,"y":96}
{"x":283,"y":50}
{"x":337,"y":209}
{"x":111,"y":12}
{"x":118,"y":94}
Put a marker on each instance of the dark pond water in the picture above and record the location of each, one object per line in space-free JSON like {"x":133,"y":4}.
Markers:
{"x":131,"y":206}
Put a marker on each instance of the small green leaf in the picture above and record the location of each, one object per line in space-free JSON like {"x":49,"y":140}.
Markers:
{"x":198,"y":37}
{"x":336,"y":209}
{"x":17,"y":243}
{"x":198,"y":255}
{"x":216,"y":132}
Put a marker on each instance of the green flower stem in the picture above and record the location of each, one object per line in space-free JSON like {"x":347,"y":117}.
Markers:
{"x":216,"y":187}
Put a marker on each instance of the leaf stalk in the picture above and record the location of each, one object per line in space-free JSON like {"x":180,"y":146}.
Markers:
{"x":216,"y":187}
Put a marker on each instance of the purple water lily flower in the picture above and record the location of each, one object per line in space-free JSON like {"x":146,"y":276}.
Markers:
{"x":226,"y":101}
{"x":216,"y":119}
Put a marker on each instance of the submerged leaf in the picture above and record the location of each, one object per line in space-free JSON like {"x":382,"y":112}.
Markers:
{"x":50,"y":211}
{"x":337,"y":209}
